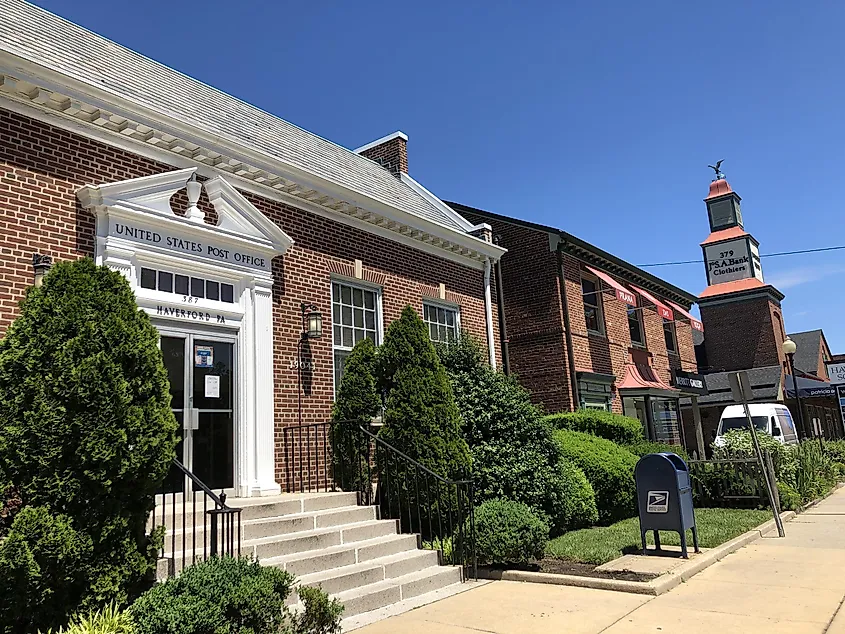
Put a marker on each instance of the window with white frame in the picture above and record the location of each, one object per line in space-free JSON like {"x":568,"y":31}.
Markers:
{"x":444,"y":322}
{"x":355,"y":316}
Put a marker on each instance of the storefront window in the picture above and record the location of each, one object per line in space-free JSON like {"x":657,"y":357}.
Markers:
{"x":666,"y":420}
{"x":669,"y":335}
{"x":592,"y":305}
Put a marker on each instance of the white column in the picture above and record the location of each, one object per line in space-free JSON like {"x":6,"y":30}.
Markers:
{"x":488,"y":314}
{"x":265,"y":457}
{"x":246,"y":397}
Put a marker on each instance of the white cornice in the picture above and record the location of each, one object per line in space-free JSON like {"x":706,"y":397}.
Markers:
{"x":66,"y":100}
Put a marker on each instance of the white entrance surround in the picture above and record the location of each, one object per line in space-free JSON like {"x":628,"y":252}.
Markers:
{"x":136,"y":227}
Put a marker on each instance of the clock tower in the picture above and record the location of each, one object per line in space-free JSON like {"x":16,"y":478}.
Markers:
{"x":740,"y":312}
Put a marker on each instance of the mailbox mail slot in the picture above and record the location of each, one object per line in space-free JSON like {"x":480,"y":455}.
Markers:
{"x":664,"y":498}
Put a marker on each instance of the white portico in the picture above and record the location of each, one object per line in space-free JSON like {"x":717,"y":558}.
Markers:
{"x":208,"y":289}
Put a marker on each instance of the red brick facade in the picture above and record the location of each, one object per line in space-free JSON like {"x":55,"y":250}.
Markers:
{"x":392,"y":154}
{"x":42,"y":167}
{"x":536,"y":327}
{"x":743,"y":334}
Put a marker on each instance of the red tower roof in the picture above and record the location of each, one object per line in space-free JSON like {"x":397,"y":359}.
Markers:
{"x":719,"y":188}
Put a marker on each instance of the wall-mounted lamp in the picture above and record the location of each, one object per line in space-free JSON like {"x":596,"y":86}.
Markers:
{"x":312,"y":321}
{"x":40,"y":266}
{"x":312,"y":328}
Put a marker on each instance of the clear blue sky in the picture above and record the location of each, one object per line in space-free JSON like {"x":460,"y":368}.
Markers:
{"x":598,"y":118}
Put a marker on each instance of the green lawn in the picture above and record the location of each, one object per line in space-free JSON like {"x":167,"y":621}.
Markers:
{"x":603,"y":544}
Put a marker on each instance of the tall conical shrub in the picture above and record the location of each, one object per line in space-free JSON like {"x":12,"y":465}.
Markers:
{"x":356,"y":404}
{"x":420,"y":416}
{"x":86,"y":430}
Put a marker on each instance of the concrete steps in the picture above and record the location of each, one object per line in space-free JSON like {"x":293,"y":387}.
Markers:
{"x":327,"y":541}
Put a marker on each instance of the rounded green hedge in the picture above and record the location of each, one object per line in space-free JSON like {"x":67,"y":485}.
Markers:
{"x":508,"y":532}
{"x":578,"y":501}
{"x":609,"y":469}
{"x":644,"y":447}
{"x":620,"y":429}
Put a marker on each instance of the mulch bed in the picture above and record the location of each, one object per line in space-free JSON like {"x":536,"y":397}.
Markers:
{"x":561,"y":567}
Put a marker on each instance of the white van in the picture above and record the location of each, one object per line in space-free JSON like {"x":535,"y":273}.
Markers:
{"x":772,"y":418}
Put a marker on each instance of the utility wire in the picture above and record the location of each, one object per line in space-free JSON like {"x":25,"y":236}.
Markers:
{"x":765,"y":255}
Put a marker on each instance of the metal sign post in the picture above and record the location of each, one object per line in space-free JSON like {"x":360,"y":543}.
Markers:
{"x":741,"y":390}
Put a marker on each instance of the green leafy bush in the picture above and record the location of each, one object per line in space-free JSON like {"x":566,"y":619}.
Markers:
{"x":815,"y":472}
{"x":507,"y":532}
{"x":43,"y":570}
{"x":645,"y":447}
{"x":356,"y":404}
{"x":420,"y":415}
{"x":443,"y":545}
{"x":738,"y":444}
{"x":109,"y":620}
{"x":790,"y":500}
{"x":236,"y":596}
{"x":86,"y":429}
{"x":513,"y":453}
{"x":578,"y":498}
{"x":608,"y":467}
{"x":620,"y":429}
{"x":321,"y":615}
{"x":835,"y":449}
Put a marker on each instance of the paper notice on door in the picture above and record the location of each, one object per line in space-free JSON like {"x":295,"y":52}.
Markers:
{"x":204,"y":356}
{"x":212,"y":386}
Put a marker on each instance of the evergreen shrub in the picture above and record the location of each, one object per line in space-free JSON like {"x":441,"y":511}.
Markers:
{"x":644,"y":447}
{"x":356,"y":404}
{"x":620,"y":429}
{"x":420,"y":415}
{"x":508,"y":532}
{"x":608,"y":467}
{"x":86,"y":429}
{"x":235,"y":596}
{"x":514,"y":455}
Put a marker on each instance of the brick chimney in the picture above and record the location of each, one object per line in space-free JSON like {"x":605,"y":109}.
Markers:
{"x":391,"y":152}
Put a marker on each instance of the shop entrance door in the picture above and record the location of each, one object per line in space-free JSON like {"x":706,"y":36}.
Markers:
{"x":201,"y":371}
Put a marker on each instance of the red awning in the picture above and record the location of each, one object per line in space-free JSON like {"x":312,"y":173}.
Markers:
{"x":622,"y":293}
{"x":662,"y":309}
{"x":640,"y":376}
{"x":692,"y":320}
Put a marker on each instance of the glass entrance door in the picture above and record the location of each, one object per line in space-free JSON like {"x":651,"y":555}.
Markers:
{"x":201,"y":372}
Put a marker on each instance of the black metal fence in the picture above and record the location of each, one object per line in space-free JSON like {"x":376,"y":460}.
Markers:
{"x":197,"y":523}
{"x":732,"y":482}
{"x":350,"y":457}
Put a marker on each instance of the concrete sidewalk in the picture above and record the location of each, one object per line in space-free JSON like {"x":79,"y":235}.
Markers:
{"x":795,"y":585}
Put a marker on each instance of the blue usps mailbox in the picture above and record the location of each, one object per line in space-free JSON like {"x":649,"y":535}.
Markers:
{"x":664,"y":497}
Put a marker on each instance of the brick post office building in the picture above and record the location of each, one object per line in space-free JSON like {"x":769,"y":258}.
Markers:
{"x":226,"y":220}
{"x":587,"y":329}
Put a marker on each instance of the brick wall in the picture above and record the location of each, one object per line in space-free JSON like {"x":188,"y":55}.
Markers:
{"x":534,"y":313}
{"x":42,"y":167}
{"x":743,"y":334}
{"x":392,"y":155}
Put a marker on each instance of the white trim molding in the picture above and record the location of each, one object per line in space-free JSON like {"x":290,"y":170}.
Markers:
{"x":488,"y":314}
{"x":136,"y":227}
{"x":63,"y":101}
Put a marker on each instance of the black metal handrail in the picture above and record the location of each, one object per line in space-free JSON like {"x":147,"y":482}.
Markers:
{"x":220,"y":526}
{"x":354,"y":459}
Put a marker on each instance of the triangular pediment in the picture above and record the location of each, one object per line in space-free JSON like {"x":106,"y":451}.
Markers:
{"x":151,"y":195}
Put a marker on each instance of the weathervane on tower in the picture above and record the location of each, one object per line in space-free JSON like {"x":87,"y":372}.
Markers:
{"x":718,"y":169}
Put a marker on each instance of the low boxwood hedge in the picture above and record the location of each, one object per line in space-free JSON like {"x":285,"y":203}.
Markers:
{"x":508,"y":532}
{"x":608,"y":467}
{"x":620,"y":429}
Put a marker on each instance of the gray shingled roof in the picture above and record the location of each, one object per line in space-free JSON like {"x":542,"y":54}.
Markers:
{"x":45,"y":39}
{"x":765,"y":383}
{"x":809,"y":345}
